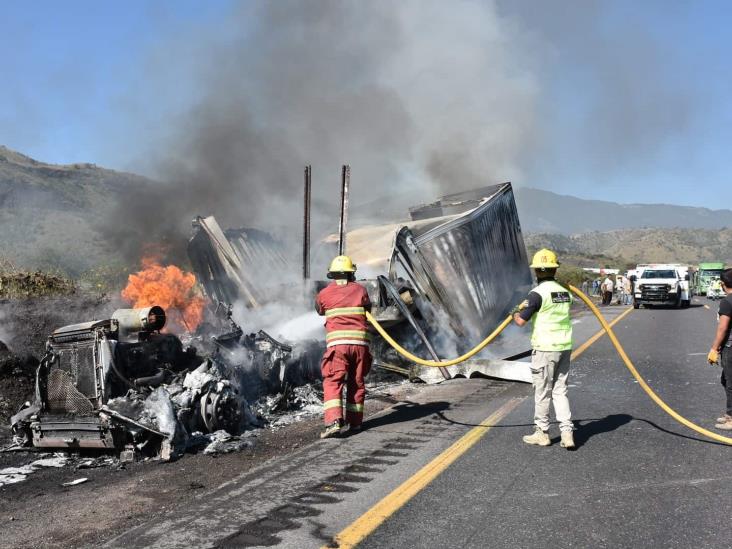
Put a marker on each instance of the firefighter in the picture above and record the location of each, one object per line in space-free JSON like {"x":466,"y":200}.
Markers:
{"x":548,"y":308}
{"x":347,"y":358}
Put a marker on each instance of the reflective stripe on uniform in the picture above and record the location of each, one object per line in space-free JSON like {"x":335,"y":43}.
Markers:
{"x":345,"y":311}
{"x":348,"y":334}
{"x":348,"y":342}
{"x":334,"y":403}
{"x":354,"y":407}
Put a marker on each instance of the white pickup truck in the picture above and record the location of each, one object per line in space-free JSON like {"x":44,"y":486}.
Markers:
{"x":662,"y":284}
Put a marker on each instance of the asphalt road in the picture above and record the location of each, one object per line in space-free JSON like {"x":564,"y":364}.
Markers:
{"x":637,"y":478}
{"x":305,"y":498}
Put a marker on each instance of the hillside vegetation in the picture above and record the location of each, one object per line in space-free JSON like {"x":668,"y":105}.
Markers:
{"x":548,"y":212}
{"x":632,"y":246}
{"x":49,"y":214}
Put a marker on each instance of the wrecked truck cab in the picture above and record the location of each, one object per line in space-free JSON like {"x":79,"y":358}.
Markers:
{"x":121,"y":383}
{"x":72,"y":384}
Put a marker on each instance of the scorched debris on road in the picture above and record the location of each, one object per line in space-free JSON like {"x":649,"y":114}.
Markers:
{"x":121,"y":384}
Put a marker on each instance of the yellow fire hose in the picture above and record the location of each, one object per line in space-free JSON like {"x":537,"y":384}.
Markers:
{"x":434,"y":363}
{"x":608,"y":330}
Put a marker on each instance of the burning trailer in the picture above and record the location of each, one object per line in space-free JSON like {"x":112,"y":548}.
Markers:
{"x":448,"y":276}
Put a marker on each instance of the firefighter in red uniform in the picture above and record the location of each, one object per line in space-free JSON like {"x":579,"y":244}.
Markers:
{"x":347,"y":358}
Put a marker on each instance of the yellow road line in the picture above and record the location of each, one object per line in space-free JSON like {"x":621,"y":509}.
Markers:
{"x":587,"y":344}
{"x":374,"y":517}
{"x":363,"y":526}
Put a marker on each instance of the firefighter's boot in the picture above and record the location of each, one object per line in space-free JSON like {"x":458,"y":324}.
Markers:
{"x":354,"y":429}
{"x":333,"y":430}
{"x":567,"y":440}
{"x":539,"y":438}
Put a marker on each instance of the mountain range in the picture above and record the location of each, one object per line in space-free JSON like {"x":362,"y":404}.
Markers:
{"x":548,"y":212}
{"x":50,"y":217}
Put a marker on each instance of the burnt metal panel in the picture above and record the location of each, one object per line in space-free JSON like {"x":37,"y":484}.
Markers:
{"x":73,"y":386}
{"x":72,"y":432}
{"x":456,"y":203}
{"x":236,"y":264}
{"x":471,"y":269}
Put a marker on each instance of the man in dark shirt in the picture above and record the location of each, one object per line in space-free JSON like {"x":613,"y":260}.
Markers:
{"x":721,"y":351}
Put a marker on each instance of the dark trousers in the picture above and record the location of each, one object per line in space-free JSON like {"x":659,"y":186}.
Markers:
{"x":607,"y":298}
{"x":726,"y":362}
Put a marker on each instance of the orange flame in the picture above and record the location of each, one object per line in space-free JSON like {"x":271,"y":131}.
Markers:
{"x":171,"y":288}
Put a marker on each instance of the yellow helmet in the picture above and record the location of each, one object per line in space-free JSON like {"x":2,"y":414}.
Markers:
{"x":544,"y":259}
{"x":342,"y":264}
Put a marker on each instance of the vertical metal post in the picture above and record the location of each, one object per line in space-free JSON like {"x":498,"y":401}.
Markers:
{"x":343,"y":226}
{"x":306,"y":225}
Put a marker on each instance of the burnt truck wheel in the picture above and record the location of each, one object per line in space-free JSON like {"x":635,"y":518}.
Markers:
{"x":221,"y":410}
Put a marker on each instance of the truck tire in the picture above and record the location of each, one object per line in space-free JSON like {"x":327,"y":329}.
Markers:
{"x":686,"y":303}
{"x":636,"y":305}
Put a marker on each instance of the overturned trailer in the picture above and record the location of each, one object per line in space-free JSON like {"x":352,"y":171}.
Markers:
{"x":465,"y":257}
{"x":448,"y":276}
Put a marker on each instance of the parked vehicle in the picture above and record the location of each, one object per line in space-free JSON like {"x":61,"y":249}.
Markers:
{"x":706,"y":272}
{"x":662,"y":284}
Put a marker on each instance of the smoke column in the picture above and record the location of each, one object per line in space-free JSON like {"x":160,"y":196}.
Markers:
{"x":415,"y":96}
{"x":421,"y":98}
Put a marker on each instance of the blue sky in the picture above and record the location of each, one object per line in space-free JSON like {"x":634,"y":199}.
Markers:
{"x":68,"y":65}
{"x":633,"y":104}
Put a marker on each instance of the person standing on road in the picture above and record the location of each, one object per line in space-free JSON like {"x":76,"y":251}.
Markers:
{"x":721,"y":351}
{"x":347,"y":358}
{"x":620,"y":285}
{"x":548,"y":308}
{"x":607,"y":290}
{"x":715,"y":290}
{"x":628,"y":290}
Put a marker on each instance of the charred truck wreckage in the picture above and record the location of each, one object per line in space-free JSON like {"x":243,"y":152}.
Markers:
{"x":120,"y":383}
{"x":448,"y":276}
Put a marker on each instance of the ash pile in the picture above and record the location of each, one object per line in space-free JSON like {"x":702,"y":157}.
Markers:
{"x":121,"y":384}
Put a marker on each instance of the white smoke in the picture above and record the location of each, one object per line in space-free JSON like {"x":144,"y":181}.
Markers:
{"x":289,"y":321}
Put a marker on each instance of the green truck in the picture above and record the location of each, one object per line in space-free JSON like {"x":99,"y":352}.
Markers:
{"x":705,"y":273}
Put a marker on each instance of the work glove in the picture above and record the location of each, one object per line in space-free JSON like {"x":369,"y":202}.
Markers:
{"x":713,"y":357}
{"x":520,"y":307}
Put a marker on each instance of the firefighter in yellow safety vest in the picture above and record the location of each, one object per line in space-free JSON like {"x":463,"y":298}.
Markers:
{"x":547,"y":307}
